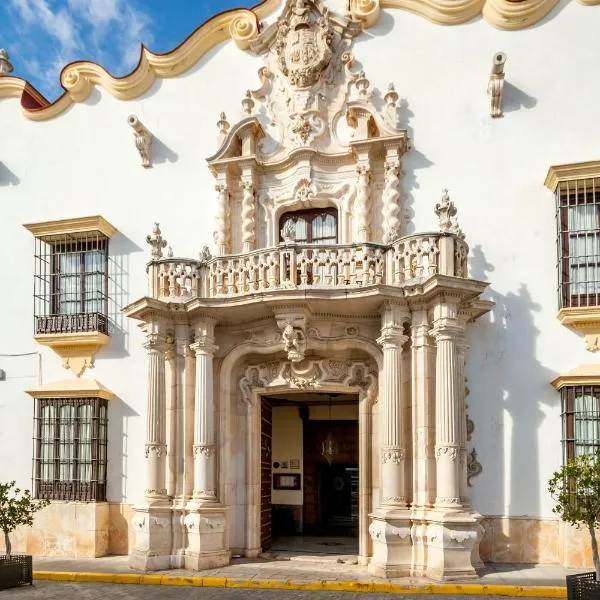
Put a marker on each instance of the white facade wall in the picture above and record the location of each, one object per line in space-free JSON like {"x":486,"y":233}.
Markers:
{"x":84,"y":162}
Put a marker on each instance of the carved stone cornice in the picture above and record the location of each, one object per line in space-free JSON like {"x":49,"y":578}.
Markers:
{"x":571,"y":172}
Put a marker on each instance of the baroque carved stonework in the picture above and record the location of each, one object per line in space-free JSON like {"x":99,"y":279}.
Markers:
{"x":308,"y":374}
{"x":205,"y":451}
{"x":393,"y":455}
{"x":449,"y":452}
{"x":155,"y":450}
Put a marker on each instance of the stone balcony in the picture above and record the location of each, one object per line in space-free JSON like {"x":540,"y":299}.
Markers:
{"x":410,"y":260}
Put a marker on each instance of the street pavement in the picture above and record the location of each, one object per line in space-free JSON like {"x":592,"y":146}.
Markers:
{"x":51,"y":590}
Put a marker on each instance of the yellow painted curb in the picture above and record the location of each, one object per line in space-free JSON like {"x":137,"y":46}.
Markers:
{"x":467,"y":589}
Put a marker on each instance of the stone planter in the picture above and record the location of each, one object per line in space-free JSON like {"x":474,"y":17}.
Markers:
{"x":15,"y":569}
{"x":583,"y":586}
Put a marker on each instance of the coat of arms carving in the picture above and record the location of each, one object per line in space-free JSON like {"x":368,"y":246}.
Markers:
{"x":303,"y":45}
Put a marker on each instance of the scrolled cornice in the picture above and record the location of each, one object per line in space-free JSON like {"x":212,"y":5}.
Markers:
{"x":79,"y":78}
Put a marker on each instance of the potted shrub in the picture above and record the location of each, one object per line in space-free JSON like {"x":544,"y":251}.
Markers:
{"x":16,"y":508}
{"x":576,"y":490}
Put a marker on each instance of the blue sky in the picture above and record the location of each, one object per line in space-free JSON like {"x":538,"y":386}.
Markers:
{"x":41,"y":36}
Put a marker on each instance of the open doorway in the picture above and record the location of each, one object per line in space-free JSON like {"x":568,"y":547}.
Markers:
{"x":309,"y":473}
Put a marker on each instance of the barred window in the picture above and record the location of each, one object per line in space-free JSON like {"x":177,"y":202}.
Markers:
{"x":70,"y":448}
{"x":578,"y":225}
{"x":71,"y":283}
{"x":581,"y":420}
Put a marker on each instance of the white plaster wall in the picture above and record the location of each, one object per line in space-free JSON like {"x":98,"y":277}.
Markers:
{"x":84,"y":162}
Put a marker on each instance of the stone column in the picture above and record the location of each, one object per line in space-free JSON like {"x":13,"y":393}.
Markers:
{"x":206,"y":521}
{"x":453,"y":530}
{"x":204,"y":420}
{"x":152,"y":519}
{"x":393,"y":447}
{"x":156,"y":428}
{"x":423,"y":412}
{"x":450,"y":402}
{"x":176,"y":463}
{"x":390,"y":522}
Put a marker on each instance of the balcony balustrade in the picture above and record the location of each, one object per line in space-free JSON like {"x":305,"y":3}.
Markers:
{"x":409,"y":260}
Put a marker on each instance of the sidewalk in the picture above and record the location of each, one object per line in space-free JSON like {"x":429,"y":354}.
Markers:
{"x":287,"y":571}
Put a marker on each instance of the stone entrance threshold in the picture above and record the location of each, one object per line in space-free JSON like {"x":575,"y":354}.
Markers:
{"x":317,"y":574}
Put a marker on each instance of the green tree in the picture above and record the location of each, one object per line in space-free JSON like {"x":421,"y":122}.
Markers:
{"x":576,"y":490}
{"x":16,"y":508}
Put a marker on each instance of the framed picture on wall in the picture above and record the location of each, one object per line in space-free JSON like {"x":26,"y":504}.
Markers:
{"x":287,"y":481}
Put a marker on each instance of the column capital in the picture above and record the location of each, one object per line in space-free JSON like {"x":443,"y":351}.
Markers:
{"x":392,"y":337}
{"x":204,"y":345}
{"x":446,"y":329}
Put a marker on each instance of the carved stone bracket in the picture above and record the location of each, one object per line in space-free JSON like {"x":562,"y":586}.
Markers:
{"x":474,"y":467}
{"x":143,"y":139}
{"x":496,"y":84}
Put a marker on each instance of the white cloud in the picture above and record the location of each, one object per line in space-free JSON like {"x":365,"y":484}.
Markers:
{"x":60,"y":31}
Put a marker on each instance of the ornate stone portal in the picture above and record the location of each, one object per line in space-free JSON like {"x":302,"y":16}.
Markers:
{"x":374,"y":313}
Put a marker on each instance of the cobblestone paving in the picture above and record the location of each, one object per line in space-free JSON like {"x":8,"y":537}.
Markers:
{"x":49,"y":590}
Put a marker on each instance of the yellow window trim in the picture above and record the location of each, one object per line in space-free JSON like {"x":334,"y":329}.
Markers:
{"x":75,"y":227}
{"x":72,"y":388}
{"x":571,"y":172}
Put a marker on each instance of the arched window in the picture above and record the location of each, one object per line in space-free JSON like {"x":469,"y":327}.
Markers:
{"x":314,"y":226}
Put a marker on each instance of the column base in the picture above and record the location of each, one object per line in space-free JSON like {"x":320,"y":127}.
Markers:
{"x":418,"y":534}
{"x":207,"y":546}
{"x":453,"y":544}
{"x":152,"y":528}
{"x":390,"y":530}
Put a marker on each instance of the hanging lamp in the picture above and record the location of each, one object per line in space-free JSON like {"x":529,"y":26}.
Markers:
{"x":329,"y":447}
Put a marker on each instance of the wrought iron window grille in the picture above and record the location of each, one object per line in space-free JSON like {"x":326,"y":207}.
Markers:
{"x":71,"y":284}
{"x":578,"y":242}
{"x":580,"y":420}
{"x":70,"y":449}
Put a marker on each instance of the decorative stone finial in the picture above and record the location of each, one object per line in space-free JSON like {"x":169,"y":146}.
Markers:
{"x":496,"y":84}
{"x":170,"y":252}
{"x":248,"y":103}
{"x":446,"y":212}
{"x":143,"y":139}
{"x":391,"y":97}
{"x":223,"y":126}
{"x":204,"y":255}
{"x":362,"y":85}
{"x":6,"y":67}
{"x":156,"y":241}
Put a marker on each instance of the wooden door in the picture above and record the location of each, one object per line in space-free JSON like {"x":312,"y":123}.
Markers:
{"x":266,"y":431}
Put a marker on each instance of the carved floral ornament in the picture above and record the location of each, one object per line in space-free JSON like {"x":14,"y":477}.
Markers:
{"x":242,"y":27}
{"x":309,"y":374}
